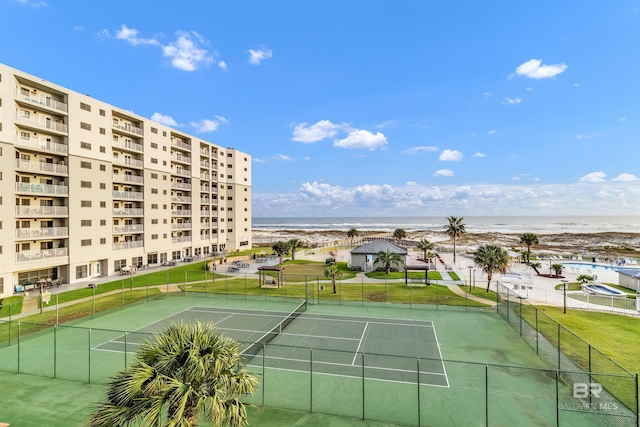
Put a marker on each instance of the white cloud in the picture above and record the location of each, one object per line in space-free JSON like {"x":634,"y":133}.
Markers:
{"x":443,"y":172}
{"x":165,"y":120}
{"x":491,"y":132}
{"x":78,"y":28}
{"x":529,"y":89}
{"x":185,"y":53}
{"x":259,"y":55}
{"x":479,"y":154}
{"x":450,"y":156}
{"x":317,"y":132}
{"x":206,"y":125}
{"x":361,"y":138}
{"x":575,"y":85}
{"x":487,"y":94}
{"x":130,"y":35}
{"x":387,"y":124}
{"x":623,"y":119}
{"x":284,"y":157}
{"x":421,"y":149}
{"x":534,"y":69}
{"x":513,"y":101}
{"x":411,"y":183}
{"x":222,"y":65}
{"x":593,"y":177}
{"x":626,"y":177}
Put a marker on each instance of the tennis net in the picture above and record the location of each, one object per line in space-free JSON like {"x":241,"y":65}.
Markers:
{"x":257,"y":346}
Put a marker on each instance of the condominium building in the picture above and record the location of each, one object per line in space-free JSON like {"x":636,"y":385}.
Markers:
{"x":87,"y":188}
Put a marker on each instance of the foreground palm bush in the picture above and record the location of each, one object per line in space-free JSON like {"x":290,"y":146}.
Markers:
{"x":185,"y":373}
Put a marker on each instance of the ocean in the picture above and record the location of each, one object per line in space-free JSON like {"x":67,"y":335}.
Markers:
{"x":474,"y":224}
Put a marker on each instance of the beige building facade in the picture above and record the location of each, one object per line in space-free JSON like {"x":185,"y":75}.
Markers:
{"x":87,"y":188}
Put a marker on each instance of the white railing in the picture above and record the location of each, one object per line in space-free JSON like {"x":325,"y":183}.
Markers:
{"x":133,"y":228}
{"x":39,"y":233}
{"x":214,"y":190}
{"x":204,"y":164}
{"x":184,"y":185}
{"x":43,"y":124}
{"x":182,"y":172}
{"x":128,"y":245}
{"x":205,"y":213}
{"x":122,"y":177}
{"x":203,"y":200}
{"x":181,"y":158}
{"x":47,"y":102}
{"x":181,"y":226}
{"x":203,"y":188}
{"x":26,"y":187}
{"x":129,"y":195}
{"x":181,"y":212}
{"x":180,"y":144}
{"x":180,"y":199}
{"x":42,"y":211}
{"x":41,"y":255}
{"x":214,"y":166}
{"x":28,"y":165}
{"x":128,"y":212}
{"x":127,"y":127}
{"x":181,"y":239}
{"x":205,"y":237}
{"x":128,"y":145}
{"x":204,"y":176}
{"x":128,"y":162}
{"x":205,"y":152}
{"x":42,"y":144}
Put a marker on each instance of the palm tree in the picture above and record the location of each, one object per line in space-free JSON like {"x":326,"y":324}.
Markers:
{"x":388,"y":259}
{"x":399,"y":234}
{"x":491,"y":259}
{"x":455,"y":229}
{"x":185,"y":373}
{"x":332,"y":271}
{"x":536,"y":267}
{"x":557,"y":268}
{"x":529,"y":239}
{"x":280,"y":249}
{"x":352,"y":233}
{"x":293,"y":245}
{"x":425,"y":246}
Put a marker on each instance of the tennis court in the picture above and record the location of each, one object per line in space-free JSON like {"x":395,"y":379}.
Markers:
{"x":339,"y":344}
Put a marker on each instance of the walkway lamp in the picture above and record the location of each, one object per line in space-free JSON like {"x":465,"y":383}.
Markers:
{"x":564,"y":289}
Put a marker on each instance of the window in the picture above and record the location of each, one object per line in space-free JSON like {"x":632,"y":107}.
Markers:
{"x":154,"y":237}
{"x":102,"y":113}
{"x":154,"y":145}
{"x":154,"y":130}
{"x":229,"y":198}
{"x":230,"y":230}
{"x":164,"y":147}
{"x":85,"y":145}
{"x":164,"y":207}
{"x":229,"y":209}
{"x":164,"y":163}
{"x":164,"y":236}
{"x":85,"y":184}
{"x":229,"y":187}
{"x":103,"y":204}
{"x":154,"y":221}
{"x":85,"y":242}
{"x":164,"y":221}
{"x":164,"y":192}
{"x":85,"y":126}
{"x":85,"y":165}
{"x":25,"y":114}
{"x":154,"y":176}
{"x":103,"y":241}
{"x":85,"y":107}
{"x":103,"y":132}
{"x":154,"y":161}
{"x":229,"y":155}
{"x":164,"y":133}
{"x":85,"y":223}
{"x":164,"y":177}
{"x":25,"y":135}
{"x":81,"y":271}
{"x":85,"y":203}
{"x":154,"y":191}
{"x":103,"y":186}
{"x":229,"y":165}
{"x":154,"y":206}
{"x":103,"y":168}
{"x":229,"y":176}
{"x":119,"y":263}
{"x":103,"y":222}
{"x":24,"y":91}
{"x":103,"y":149}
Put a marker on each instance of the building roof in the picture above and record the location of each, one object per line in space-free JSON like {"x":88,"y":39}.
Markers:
{"x":633,"y":272}
{"x":376,"y":246}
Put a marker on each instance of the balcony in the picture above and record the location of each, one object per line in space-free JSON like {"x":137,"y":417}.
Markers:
{"x":205,"y":200}
{"x":180,"y":199}
{"x":46,"y":102}
{"x":180,"y":144}
{"x":50,"y":168}
{"x":214,"y":190}
{"x":129,"y":128}
{"x":204,"y":164}
{"x":34,"y":123}
{"x":204,"y":189}
{"x":128,"y":212}
{"x":204,"y":152}
{"x":182,"y":172}
{"x":181,"y":212}
{"x":45,"y":189}
{"x":39,"y":211}
{"x":183,"y":185}
{"x":205,"y":213}
{"x":126,"y":161}
{"x":123,"y":177}
{"x":42,"y":233}
{"x":180,"y":158}
{"x":128,"y":195}
{"x":182,"y":239}
{"x":128,"y":245}
{"x":41,"y":144}
{"x":181,"y":226}
{"x":205,"y":237}
{"x":126,"y":229}
{"x":128,"y":145}
{"x":42,"y":255}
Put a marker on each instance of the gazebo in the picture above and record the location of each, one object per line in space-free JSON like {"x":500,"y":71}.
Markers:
{"x":262,"y":277}
{"x":416,"y":267}
{"x":364,"y":255}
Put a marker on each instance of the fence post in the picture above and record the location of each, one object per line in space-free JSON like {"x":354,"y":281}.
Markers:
{"x":310,"y":379}
{"x":418,"y":372}
{"x":93,"y":303}
{"x":89,"y":358}
{"x":537,"y":333}
{"x":55,"y":350}
{"x":10,"y":315}
{"x":363,"y":386}
{"x":520,"y":316}
{"x":436,"y":285}
{"x":264,"y":382}
{"x":557,"y":400}
{"x":558,"y":346}
{"x":18,"y":347}
{"x":637,"y":402}
{"x":486,"y":395}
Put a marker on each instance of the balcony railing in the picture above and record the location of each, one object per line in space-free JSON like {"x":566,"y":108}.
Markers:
{"x":183,"y":185}
{"x":54,"y":190}
{"x":204,"y":164}
{"x":181,"y":226}
{"x":128,"y":145}
{"x":128,"y":162}
{"x":128,"y":245}
{"x":28,"y":165}
{"x":128,"y":212}
{"x":181,"y":212}
{"x":205,"y":236}
{"x":204,"y":189}
{"x":33,"y":211}
{"x":41,"y":233}
{"x":123,"y":177}
{"x":180,"y":199}
{"x":42,"y":144}
{"x":42,"y":255}
{"x":47,"y":102}
{"x":205,"y":200}
{"x":205,"y":213}
{"x":180,"y":144}
{"x":181,"y":158}
{"x":127,"y":127}
{"x":128,"y":195}
{"x":133,"y":228}
{"x":182,"y":172}
{"x":42,"y":124}
{"x":204,"y":152}
{"x":182,"y":239}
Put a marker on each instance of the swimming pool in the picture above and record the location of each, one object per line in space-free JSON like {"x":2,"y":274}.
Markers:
{"x":598,"y":288}
{"x":589,"y":266}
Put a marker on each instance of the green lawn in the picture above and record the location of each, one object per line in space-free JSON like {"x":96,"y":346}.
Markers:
{"x":381,"y":275}
{"x":480,"y":292}
{"x":11,"y":306}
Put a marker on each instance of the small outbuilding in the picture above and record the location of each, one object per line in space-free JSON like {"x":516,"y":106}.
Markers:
{"x":364,"y":255}
{"x":629,"y":278}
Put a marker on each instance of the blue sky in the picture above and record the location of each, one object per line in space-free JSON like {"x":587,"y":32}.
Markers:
{"x":373,"y":108}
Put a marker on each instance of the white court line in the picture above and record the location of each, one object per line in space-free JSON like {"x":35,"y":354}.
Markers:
{"x":279,"y":316}
{"x":440,"y":353}
{"x":360,"y":344}
{"x":329,"y":318}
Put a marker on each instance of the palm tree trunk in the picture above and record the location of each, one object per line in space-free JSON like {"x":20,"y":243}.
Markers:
{"x":489,"y":277}
{"x":454,"y":249}
{"x":333,"y":281}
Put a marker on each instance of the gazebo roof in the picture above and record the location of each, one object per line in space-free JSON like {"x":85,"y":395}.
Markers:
{"x":376,"y":246}
{"x":270,"y":268}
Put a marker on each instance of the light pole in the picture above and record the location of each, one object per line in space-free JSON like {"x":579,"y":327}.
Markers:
{"x":564,"y":288}
{"x":474,"y":278}
{"x":470,"y":268}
